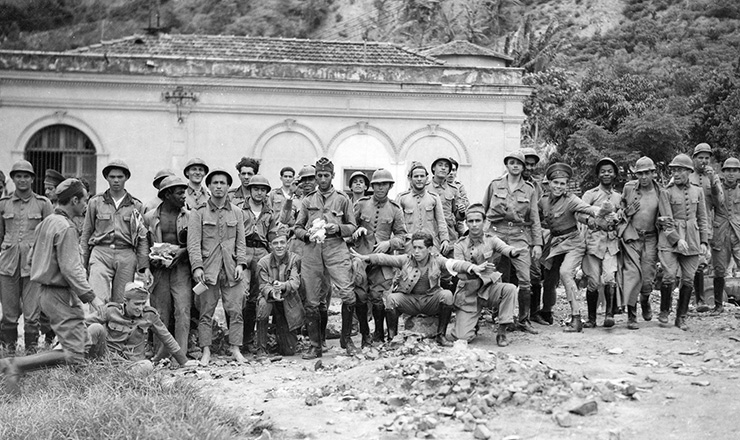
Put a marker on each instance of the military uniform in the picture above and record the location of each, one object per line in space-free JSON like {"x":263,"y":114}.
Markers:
{"x":726,"y":238}
{"x":452,"y":206}
{"x":277,"y":200}
{"x":113,"y":244}
{"x":424,"y":212}
{"x":238,"y":196}
{"x":195,"y":198}
{"x":287,"y":314}
{"x":19,"y":217}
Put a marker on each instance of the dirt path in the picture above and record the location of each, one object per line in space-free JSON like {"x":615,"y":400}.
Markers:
{"x":685,"y":385}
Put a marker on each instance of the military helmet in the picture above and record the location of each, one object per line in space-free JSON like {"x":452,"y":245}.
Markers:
{"x":160,"y":176}
{"x":731,"y":163}
{"x":682,"y":161}
{"x":382,"y":175}
{"x":607,"y":161}
{"x":644,"y":164}
{"x":221,"y":171}
{"x":259,"y":180}
{"x":359,"y":174}
{"x":117,"y":164}
{"x":22,"y":166}
{"x":306,"y":171}
{"x":440,"y":159}
{"x":168,"y":182}
{"x":702,"y":148}
{"x":518,"y":155}
{"x":193,"y":162}
{"x":530,"y":152}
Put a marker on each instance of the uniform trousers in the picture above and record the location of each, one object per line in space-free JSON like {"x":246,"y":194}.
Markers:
{"x":67,"y":319}
{"x":233,"y":302}
{"x":172,"y":296}
{"x":502,"y":296}
{"x":19,"y":295}
{"x":419,"y":304}
{"x":330,"y":258}
{"x":110,"y":270}
{"x":640,"y":265}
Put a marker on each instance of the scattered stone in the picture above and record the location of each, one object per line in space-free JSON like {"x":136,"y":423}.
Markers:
{"x":563,"y":419}
{"x":615,"y":350}
{"x":630,"y":390}
{"x":710,"y":355}
{"x":482,"y":432}
{"x":423,"y":325}
{"x":312,"y":400}
{"x":700,"y":383}
{"x":276,"y":359}
{"x":446,"y":411}
{"x":265,"y":435}
{"x":584,"y":408}
{"x":397,"y":401}
{"x":318,"y":365}
{"x":689,"y":352}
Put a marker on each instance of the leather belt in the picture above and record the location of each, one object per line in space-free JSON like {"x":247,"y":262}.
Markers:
{"x":502,"y":224}
{"x":563,"y":232}
{"x":646,"y":233}
{"x":256,"y":244}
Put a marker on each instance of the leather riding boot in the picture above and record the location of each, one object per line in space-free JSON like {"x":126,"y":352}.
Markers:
{"x":361,"y":311}
{"x":391,"y":318}
{"x":647,"y":311}
{"x":592,"y":302}
{"x":535,"y":300}
{"x":666,"y":298}
{"x":445,"y":313}
{"x":682,"y":307}
{"x":31,"y":341}
{"x":323,"y":322}
{"x":610,"y":298}
{"x":249,"y":314}
{"x":523,"y":323}
{"x":501,"y":340}
{"x":261,"y":339}
{"x":345,"y":339}
{"x":8,"y":340}
{"x":13,"y":368}
{"x":313,"y":322}
{"x":379,"y":317}
{"x":719,"y":295}
{"x":701,"y":306}
{"x":632,"y":318}
{"x":575,"y":325}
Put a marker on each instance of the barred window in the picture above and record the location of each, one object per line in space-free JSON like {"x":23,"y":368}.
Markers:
{"x":64,"y":149}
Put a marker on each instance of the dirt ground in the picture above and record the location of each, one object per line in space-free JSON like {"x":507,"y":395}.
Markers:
{"x":655,"y":382}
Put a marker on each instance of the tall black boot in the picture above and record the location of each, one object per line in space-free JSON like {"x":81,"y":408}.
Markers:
{"x":525,"y":299}
{"x":261,"y":345}
{"x":13,"y":368}
{"x":361,"y":310}
{"x":592,"y":303}
{"x":719,"y":295}
{"x":632,"y":317}
{"x":31,"y":341}
{"x":379,"y":317}
{"x":391,"y":318}
{"x":8,"y":340}
{"x":313,"y":322}
{"x":647,"y":311}
{"x":345,"y":339}
{"x":534,"y":303}
{"x":249,"y":313}
{"x":666,"y":298}
{"x":323,"y":322}
{"x":682,"y":307}
{"x":445,"y":313}
{"x":701,"y":306}
{"x":610,"y":297}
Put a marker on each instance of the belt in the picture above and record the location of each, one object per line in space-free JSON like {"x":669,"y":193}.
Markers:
{"x":646,"y":233}
{"x":256,"y":244}
{"x":119,"y":246}
{"x":555,"y":233}
{"x":511,"y":224}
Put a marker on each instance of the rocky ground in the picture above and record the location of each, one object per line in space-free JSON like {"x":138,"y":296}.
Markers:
{"x":655,"y":382}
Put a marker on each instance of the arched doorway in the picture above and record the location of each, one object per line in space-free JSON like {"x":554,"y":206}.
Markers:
{"x":62,"y":148}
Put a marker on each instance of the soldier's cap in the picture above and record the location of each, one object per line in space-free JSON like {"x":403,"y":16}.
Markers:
{"x":306,"y":171}
{"x":324,"y":164}
{"x":439,"y":159}
{"x":382,"y":175}
{"x":53,"y":177}
{"x":702,"y":148}
{"x":476,"y":208}
{"x":607,"y":161}
{"x":359,"y":174}
{"x":731,"y":162}
{"x":278,"y":231}
{"x":22,"y":166}
{"x":117,"y":164}
{"x":259,"y":180}
{"x":221,"y":171}
{"x":644,"y":164}
{"x":159,"y":177}
{"x":193,"y":162}
{"x":170,"y":182}
{"x":69,"y":188}
{"x":415,"y":165}
{"x":682,"y":161}
{"x":518,"y":155}
{"x":559,"y":170}
{"x":135,"y":291}
{"x":530,"y":152}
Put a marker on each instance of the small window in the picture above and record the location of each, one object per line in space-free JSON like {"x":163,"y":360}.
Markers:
{"x":349,"y":171}
{"x":64,"y":149}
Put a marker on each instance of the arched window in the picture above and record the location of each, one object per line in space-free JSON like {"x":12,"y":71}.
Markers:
{"x":62,"y":148}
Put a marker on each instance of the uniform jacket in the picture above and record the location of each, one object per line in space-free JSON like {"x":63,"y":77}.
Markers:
{"x":600,"y":236}
{"x":194,"y":199}
{"x":334,"y":208}
{"x":256,"y":228}
{"x":727,"y":214}
{"x":238,"y":195}
{"x":559,"y":215}
{"x":423,"y":212}
{"x":56,"y":257}
{"x":690,"y":221}
{"x":712,"y":192}
{"x":383,"y":221}
{"x":630,"y":194}
{"x":127,"y":335}
{"x":487,"y":249}
{"x":216,"y":241}
{"x":18,"y":220}
{"x":410,"y":272}
{"x":514,"y":210}
{"x":270,"y":269}
{"x":452,"y":206}
{"x":106,"y":225}
{"x":276,"y":199}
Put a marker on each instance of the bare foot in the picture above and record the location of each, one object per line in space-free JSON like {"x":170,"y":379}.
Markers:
{"x":206,"y":358}
{"x":236,"y":352}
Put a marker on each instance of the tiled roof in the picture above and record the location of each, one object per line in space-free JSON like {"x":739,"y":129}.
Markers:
{"x":462,"y":47}
{"x":260,"y":49}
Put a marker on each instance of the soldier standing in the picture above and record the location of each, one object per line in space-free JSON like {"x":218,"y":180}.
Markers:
{"x":682,"y":239}
{"x":156,"y":182}
{"x":704,"y":176}
{"x":113,"y":238}
{"x":197,"y":194}
{"x":423,"y":211}
{"x":449,"y":195}
{"x":218,"y":258}
{"x":638,"y":257}
{"x":330,"y":211}
{"x":20,"y":213}
{"x":380,"y":229}
{"x":726,"y":238}
{"x":511,"y":209}
{"x":277,"y":196}
{"x":531,"y":159}
{"x":358,"y":185}
{"x":474,"y":294}
{"x":52,"y":178}
{"x":246,"y":167}
{"x":600,"y":261}
{"x":463,"y":200}
{"x":564,"y":250}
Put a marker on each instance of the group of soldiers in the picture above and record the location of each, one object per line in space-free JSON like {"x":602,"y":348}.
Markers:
{"x":83,"y":268}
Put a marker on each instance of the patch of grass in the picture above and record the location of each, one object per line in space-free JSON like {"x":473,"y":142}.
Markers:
{"x":107,"y":401}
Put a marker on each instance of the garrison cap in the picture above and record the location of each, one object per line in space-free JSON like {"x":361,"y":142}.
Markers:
{"x":278,"y":231}
{"x":69,"y":188}
{"x":702,"y":148}
{"x":135,"y":291}
{"x":221,"y":171}
{"x":415,"y":165}
{"x":117,"y":164}
{"x":359,"y":174}
{"x":22,"y":166}
{"x":324,"y":164}
{"x":170,"y":182}
{"x":558,"y":170}
{"x":193,"y":162}
{"x":644,"y":164}
{"x":682,"y":161}
{"x":53,"y":177}
{"x":476,"y":208}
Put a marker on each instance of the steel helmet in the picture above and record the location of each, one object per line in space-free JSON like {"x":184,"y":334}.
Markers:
{"x":221,"y":171}
{"x":192,"y":162}
{"x":530,"y":152}
{"x":731,"y":163}
{"x":703,"y":148}
{"x":446,"y":159}
{"x":359,"y":174}
{"x":644,"y":164}
{"x":171,"y":181}
{"x":259,"y":180}
{"x":518,"y":155}
{"x":607,"y":161}
{"x":381,"y":176}
{"x":119,"y":164}
{"x":23,"y":166}
{"x":306,"y":171}
{"x":682,"y":161}
{"x":160,"y":176}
